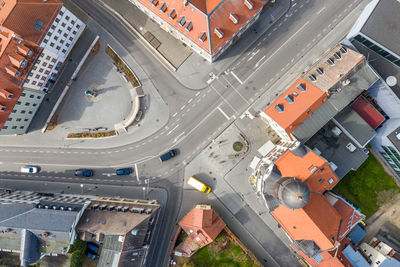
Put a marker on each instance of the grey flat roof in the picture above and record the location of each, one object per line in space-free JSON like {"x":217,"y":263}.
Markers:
{"x":355,"y":125}
{"x":393,"y":138}
{"x":383,"y":25}
{"x":333,"y":149}
{"x":359,"y":82}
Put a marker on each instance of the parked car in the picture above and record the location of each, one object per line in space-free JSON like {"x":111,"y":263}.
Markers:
{"x":92,"y":256}
{"x":169,"y":155}
{"x":84,"y":172}
{"x":199,"y":185}
{"x":93,"y":247}
{"x":30,"y":169}
{"x":124,"y":171}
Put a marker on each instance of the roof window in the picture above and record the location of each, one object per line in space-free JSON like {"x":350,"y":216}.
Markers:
{"x":233,"y":18}
{"x":301,"y":87}
{"x":203,"y":37}
{"x":320,"y":71}
{"x":172,"y":15}
{"x":3,"y":108}
{"x":249,"y":4}
{"x":279,"y":108}
{"x":163,"y":7}
{"x":182,"y":21}
{"x":189,"y":26}
{"x":218,"y":32}
{"x":331,"y":61}
{"x":39,"y":22}
{"x":289,"y":98}
{"x":37,"y":27}
{"x":313,"y":78}
{"x":343,"y":50}
{"x":337,"y":55}
{"x":154,"y":2}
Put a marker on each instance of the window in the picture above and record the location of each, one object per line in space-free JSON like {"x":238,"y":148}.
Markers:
{"x":67,"y":45}
{"x":57,"y":20}
{"x":63,"y":24}
{"x":31,"y":96}
{"x":49,"y":34}
{"x":67,"y":17}
{"x":78,"y":26}
{"x":54,"y":60}
{"x":30,"y":74}
{"x":45,"y":41}
{"x":41,"y":55}
{"x":65,"y":35}
{"x":74,"y":32}
{"x":34,"y":104}
{"x":47,"y":72}
{"x":19,"y":119}
{"x":37,"y":76}
{"x":71,"y":39}
{"x":51,"y":44}
{"x":9,"y":119}
{"x":27,"y":80}
{"x":26,"y":119}
{"x":23,"y":111}
{"x":61,"y":41}
{"x":14,"y":127}
{"x":73,"y":22}
{"x":38,"y":62}
{"x":23,"y":94}
{"x":56,"y":38}
{"x":59,"y":31}
{"x":50,"y":66}
{"x":40,"y":84}
{"x":61,"y":13}
{"x":69,"y":28}
{"x":18,"y":103}
{"x":44,"y":64}
{"x":30,"y":112}
{"x":13,"y":111}
{"x":34,"y":67}
{"x":58,"y":47}
{"x":22,"y":127}
{"x":48,"y":57}
{"x":41,"y":70}
{"x":64,"y":51}
{"x":38,"y":97}
{"x":43,"y":78}
{"x":34,"y":83}
{"x":5,"y":127}
{"x":53,"y":27}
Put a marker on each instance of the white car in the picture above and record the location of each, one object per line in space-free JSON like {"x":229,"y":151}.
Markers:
{"x":30,"y":169}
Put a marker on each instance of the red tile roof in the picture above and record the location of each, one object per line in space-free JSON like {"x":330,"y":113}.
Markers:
{"x":25,"y":14}
{"x":204,"y":16}
{"x":368,"y":112}
{"x":304,"y":104}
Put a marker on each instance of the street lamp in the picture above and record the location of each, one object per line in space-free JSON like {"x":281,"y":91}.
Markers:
{"x":81,"y":188}
{"x":144,"y":192}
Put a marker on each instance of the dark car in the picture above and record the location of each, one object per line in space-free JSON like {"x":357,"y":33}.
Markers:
{"x":170,"y":154}
{"x":124,"y":171}
{"x":84,"y":172}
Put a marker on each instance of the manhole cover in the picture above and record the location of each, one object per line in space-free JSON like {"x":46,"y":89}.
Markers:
{"x":238,"y":146}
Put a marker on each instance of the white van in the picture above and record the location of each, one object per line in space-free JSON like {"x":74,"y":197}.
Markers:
{"x":29,"y":169}
{"x":199,"y":185}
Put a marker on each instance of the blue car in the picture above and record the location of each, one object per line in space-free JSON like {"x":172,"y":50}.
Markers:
{"x":170,"y":154}
{"x":124,"y":171}
{"x":84,"y":172}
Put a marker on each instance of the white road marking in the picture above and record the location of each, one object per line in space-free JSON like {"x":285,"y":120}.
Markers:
{"x":190,"y":100}
{"x":183,"y":107}
{"x":223,"y":98}
{"x":258,"y":62}
{"x":237,"y":91}
{"x":173,"y":129}
{"x":280,"y":47}
{"x":322,"y":9}
{"x":179,"y":135}
{"x":223,"y":113}
{"x":237,"y":78}
{"x":197,"y":93}
{"x":137,"y":173}
{"x":176,"y":113}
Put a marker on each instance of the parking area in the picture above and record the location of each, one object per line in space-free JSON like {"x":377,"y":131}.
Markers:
{"x":100,"y":97}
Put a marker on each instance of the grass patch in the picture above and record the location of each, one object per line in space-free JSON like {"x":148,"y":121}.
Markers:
{"x":122,"y":66}
{"x":223,"y":252}
{"x":364,"y":186}
{"x":92,"y":134}
{"x":77,"y":249}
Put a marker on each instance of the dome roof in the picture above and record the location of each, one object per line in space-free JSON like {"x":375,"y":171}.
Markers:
{"x":293,"y":193}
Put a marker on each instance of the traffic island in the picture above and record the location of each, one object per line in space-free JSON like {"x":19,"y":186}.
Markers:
{"x":101,"y":134}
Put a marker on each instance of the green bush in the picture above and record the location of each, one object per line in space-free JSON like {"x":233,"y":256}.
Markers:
{"x":77,"y":249}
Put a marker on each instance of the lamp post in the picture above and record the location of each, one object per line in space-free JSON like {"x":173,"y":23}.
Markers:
{"x":81,"y":188}
{"x":144,"y":192}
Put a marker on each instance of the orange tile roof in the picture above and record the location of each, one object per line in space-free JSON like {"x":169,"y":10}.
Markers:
{"x":204,"y":17}
{"x":327,"y":260}
{"x":312,"y":169}
{"x":309,"y":223}
{"x":21,"y":16}
{"x":204,"y":223}
{"x":303,"y":106}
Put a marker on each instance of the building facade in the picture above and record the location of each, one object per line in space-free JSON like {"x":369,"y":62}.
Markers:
{"x":31,"y":55}
{"x":208,"y":27}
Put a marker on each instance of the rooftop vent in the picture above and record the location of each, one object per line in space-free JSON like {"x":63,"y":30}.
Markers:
{"x":295,"y":94}
{"x":289,"y":98}
{"x":301,"y":87}
{"x":337,"y":55}
{"x":320,"y":71}
{"x":233,"y":18}
{"x":279,"y":108}
{"x":313,"y":78}
{"x":331,"y":61}
{"x":218,"y":32}
{"x":249,"y":4}
{"x":343,"y":50}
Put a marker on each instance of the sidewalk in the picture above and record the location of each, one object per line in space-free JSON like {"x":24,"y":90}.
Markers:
{"x":157,"y":114}
{"x":193,"y":71}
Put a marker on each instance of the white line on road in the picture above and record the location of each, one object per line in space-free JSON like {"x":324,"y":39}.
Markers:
{"x":223,"y":113}
{"x":280,"y":47}
{"x":197,"y":93}
{"x":258,"y":62}
{"x":179,"y":135}
{"x":176,"y":113}
{"x":137,"y":173}
{"x":190,"y":100}
{"x":223,"y":98}
{"x":183,"y":107}
{"x":237,"y":91}
{"x":322,"y":9}
{"x":173,"y":129}
{"x":237,"y":78}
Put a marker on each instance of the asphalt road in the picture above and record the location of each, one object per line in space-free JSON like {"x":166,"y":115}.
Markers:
{"x":195,"y":117}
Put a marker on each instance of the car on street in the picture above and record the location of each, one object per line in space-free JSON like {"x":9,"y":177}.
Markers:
{"x":124,"y":171}
{"x":84,"y":172}
{"x":30,"y":169}
{"x":169,"y":155}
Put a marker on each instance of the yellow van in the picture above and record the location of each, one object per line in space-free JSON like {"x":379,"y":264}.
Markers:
{"x":199,"y":185}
